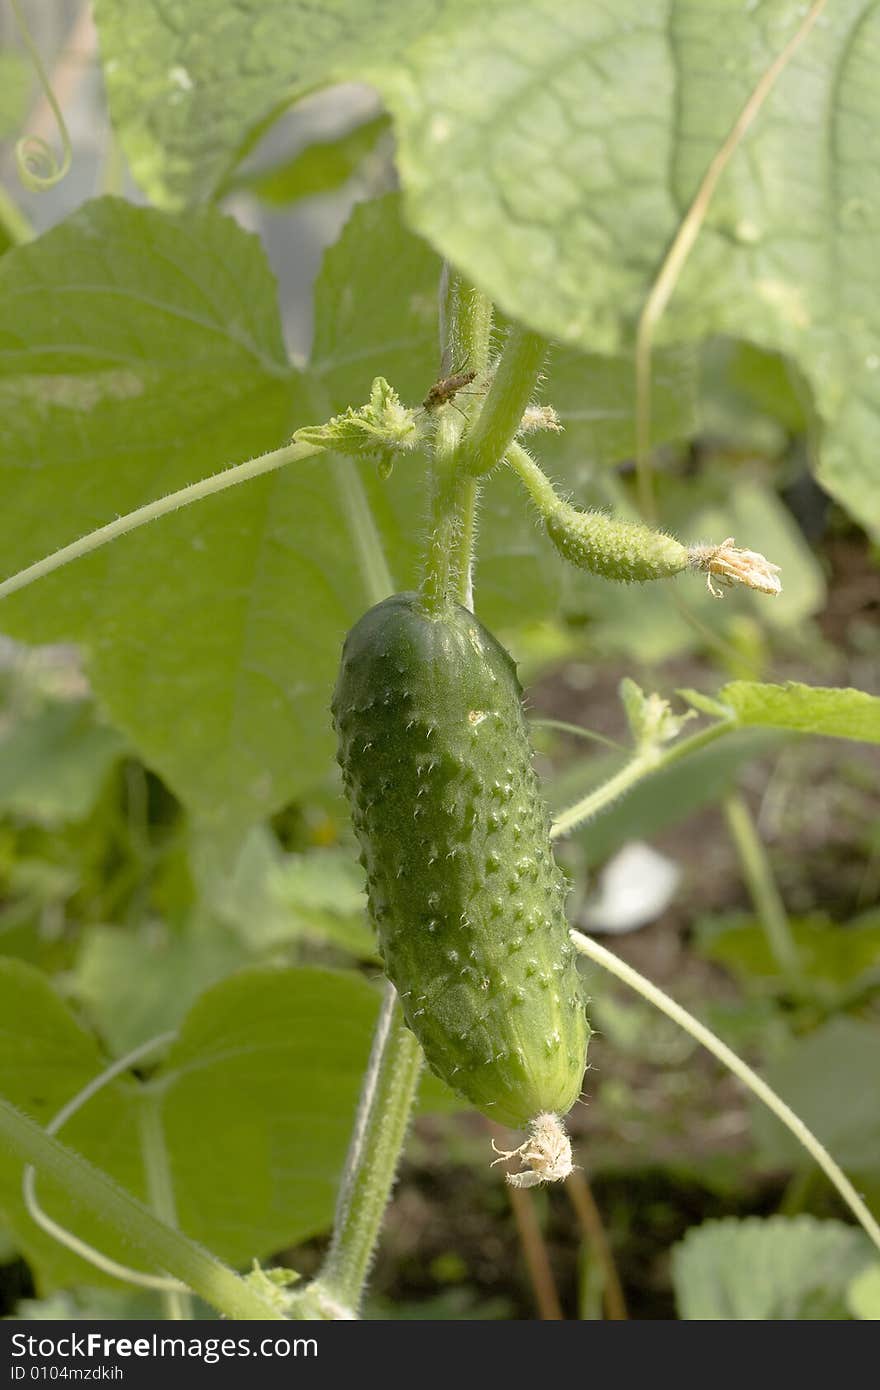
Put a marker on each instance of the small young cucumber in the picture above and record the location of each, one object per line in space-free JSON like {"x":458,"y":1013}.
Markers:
{"x":463,"y":888}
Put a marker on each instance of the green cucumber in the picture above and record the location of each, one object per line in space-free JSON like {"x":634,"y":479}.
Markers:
{"x":463,"y":888}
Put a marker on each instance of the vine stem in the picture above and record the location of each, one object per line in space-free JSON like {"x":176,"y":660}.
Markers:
{"x":761,"y":884}
{"x":512,"y":387}
{"x":387,"y":1099}
{"x":641,"y":764}
{"x":580,"y":1195}
{"x":55,"y":1125}
{"x":14,"y":222}
{"x":537,"y":1258}
{"x":163,"y":506}
{"x":683,"y":243}
{"x":160,"y":1188}
{"x":750,"y":1079}
{"x":155,"y":1242}
{"x":466,"y":329}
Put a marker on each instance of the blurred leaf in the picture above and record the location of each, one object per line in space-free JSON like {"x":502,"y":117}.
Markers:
{"x":273,"y":899}
{"x":595,"y":398}
{"x":811,"y":709}
{"x":320,"y":168}
{"x":831,"y":1079}
{"x":85,"y":1304}
{"x":774,"y":1269}
{"x":452,"y":1305}
{"x":836,"y":954}
{"x":751,"y":399}
{"x":257,"y":1099}
{"x":135,"y":984}
{"x":54,"y":762}
{"x":863,"y":1294}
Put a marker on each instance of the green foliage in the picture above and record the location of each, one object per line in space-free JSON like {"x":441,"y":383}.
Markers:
{"x":831,"y":1079}
{"x":863,"y":1294}
{"x":46,"y":1057}
{"x":768,"y":1270}
{"x":175,"y":856}
{"x":560,"y":214}
{"x":835,"y":958}
{"x":256,"y":1100}
{"x":319,"y":168}
{"x":54,"y":762}
{"x":807,"y":708}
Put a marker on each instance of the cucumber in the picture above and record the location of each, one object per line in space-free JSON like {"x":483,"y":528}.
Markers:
{"x":463,"y":888}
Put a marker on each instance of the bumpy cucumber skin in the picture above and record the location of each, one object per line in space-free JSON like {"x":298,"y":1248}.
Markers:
{"x":463,"y":888}
{"x":626,"y":551}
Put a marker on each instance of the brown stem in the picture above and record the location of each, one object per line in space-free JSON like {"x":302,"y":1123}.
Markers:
{"x":588,"y":1215}
{"x":537,"y":1259}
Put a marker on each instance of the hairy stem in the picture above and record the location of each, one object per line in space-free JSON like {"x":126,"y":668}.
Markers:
{"x":761,"y":884}
{"x":156,"y":1243}
{"x":387,"y":1098}
{"x":750,"y":1079}
{"x":512,"y":386}
{"x":640,"y":765}
{"x":163,"y":506}
{"x":466,"y":322}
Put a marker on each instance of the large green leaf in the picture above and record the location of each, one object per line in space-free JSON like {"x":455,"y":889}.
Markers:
{"x":45,"y":1059}
{"x":142,"y":351}
{"x":551,"y":149}
{"x":213,"y":635}
{"x":769,"y":1270}
{"x":811,"y":709}
{"x":257,"y":1101}
{"x":136,"y":983}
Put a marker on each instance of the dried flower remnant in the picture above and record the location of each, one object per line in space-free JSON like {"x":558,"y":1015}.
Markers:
{"x":545,"y":1155}
{"x":540,"y":417}
{"x":731,"y":565}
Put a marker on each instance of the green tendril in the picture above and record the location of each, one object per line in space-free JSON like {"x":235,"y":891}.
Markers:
{"x":38,"y":164}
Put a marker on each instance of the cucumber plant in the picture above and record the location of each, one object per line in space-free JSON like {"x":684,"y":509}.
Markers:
{"x":186,"y":372}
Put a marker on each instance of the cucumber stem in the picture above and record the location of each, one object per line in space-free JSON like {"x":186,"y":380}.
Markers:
{"x":641,"y":764}
{"x":177,"y":1304}
{"x":163,"y":506}
{"x":761,"y":884}
{"x":512,"y":386}
{"x":466,"y":324}
{"x":728,"y":1058}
